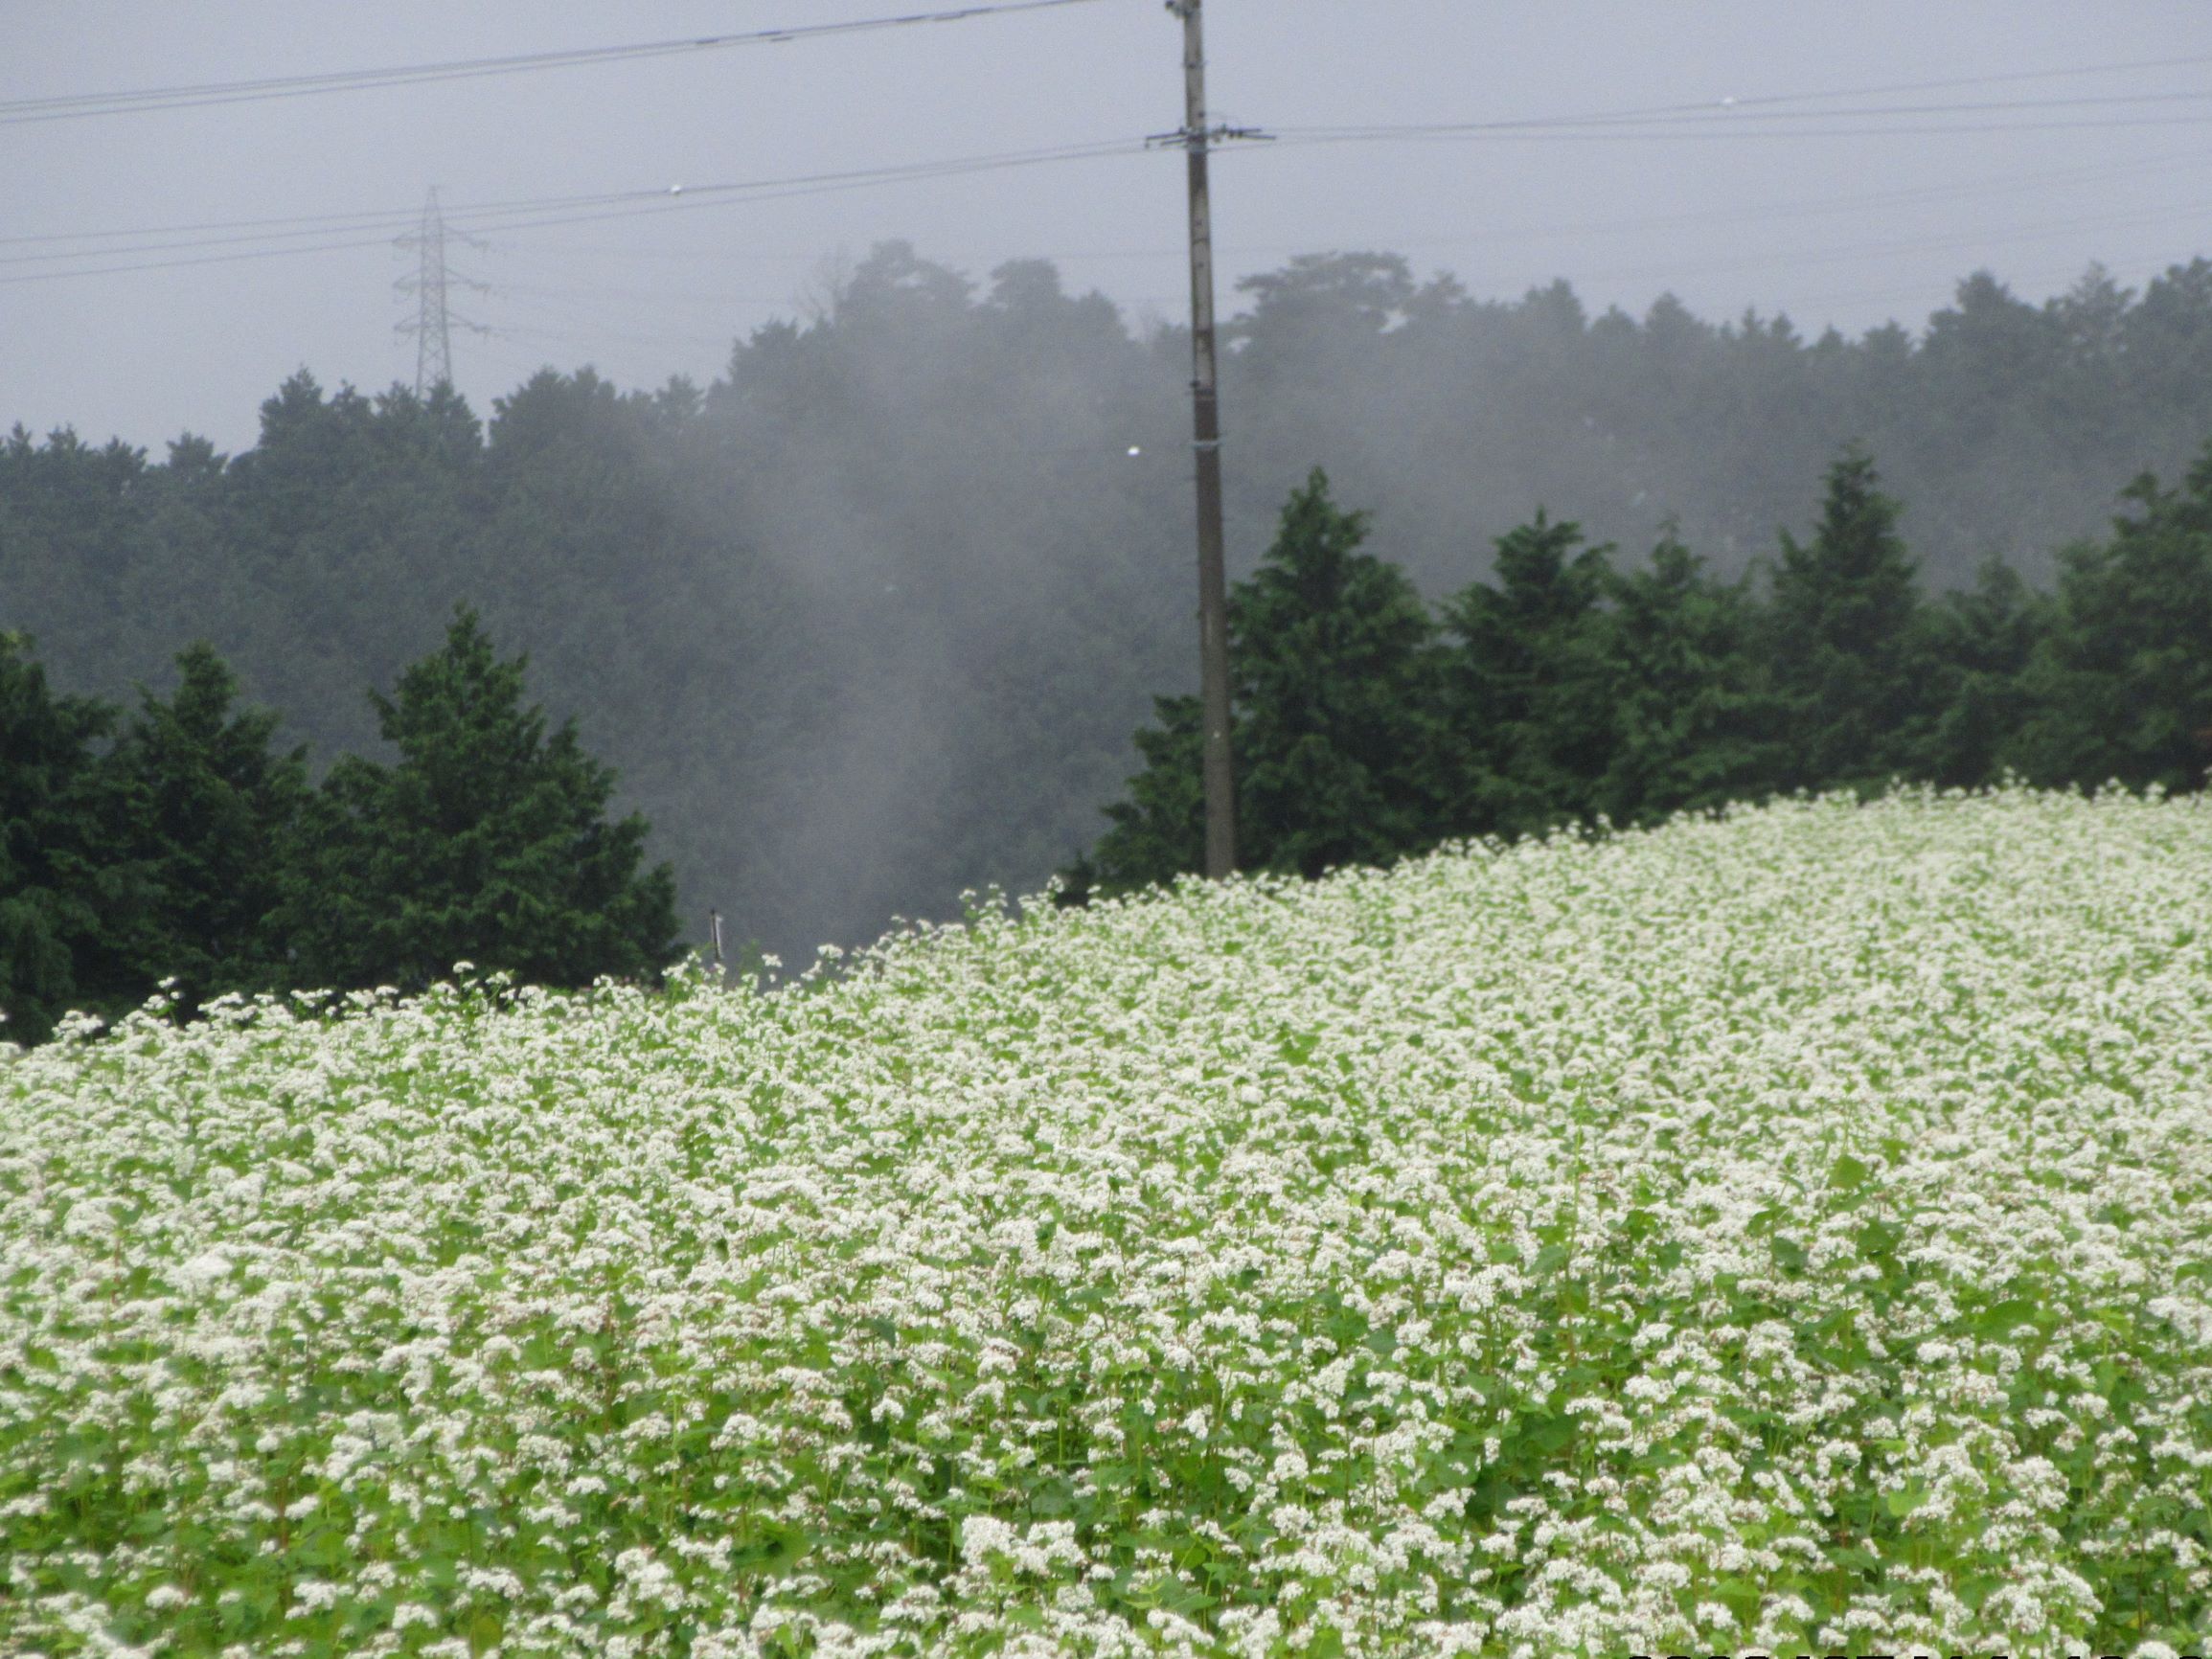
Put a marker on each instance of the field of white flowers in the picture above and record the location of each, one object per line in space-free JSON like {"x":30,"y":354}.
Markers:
{"x":1791,"y":1231}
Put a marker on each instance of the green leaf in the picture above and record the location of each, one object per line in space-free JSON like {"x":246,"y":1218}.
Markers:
{"x":1909,"y":1498}
{"x":1742,"y":1597}
{"x":1547,"y":1435}
{"x":1997,"y":1320}
{"x":1879,"y":1238}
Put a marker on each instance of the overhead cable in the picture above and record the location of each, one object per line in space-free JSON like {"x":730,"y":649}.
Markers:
{"x":1751,"y":118}
{"x":587,"y":209}
{"x":76,"y":106}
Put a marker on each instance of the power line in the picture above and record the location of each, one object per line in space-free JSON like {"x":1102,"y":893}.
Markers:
{"x":1885,"y":250}
{"x":384,"y":214}
{"x":554,"y":210}
{"x":1737,"y":119}
{"x":1709,"y":107}
{"x":1955,"y":83}
{"x":1656,"y":131}
{"x":1751,"y":213}
{"x":366,"y":228}
{"x":1743,"y":118}
{"x":1760,"y":213}
{"x":80,"y":105}
{"x":1697,"y":116}
{"x":259,"y":231}
{"x":632,"y":204}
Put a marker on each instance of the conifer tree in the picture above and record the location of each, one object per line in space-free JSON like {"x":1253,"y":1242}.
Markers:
{"x":1690,"y":699}
{"x":486,"y":842}
{"x":1158,"y":828}
{"x":1334,"y":664}
{"x":1332,"y":659}
{"x":2121,"y":686}
{"x":1529,"y":686}
{"x":1848,"y":651}
{"x":53,"y":852}
{"x":1982,"y":639}
{"x":200,"y":811}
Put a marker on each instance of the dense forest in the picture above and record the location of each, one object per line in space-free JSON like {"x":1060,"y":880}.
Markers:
{"x":173,"y":851}
{"x":872,"y":618}
{"x":1564,"y":691}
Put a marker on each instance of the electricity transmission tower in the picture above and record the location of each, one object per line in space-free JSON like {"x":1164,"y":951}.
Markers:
{"x":434,"y":320}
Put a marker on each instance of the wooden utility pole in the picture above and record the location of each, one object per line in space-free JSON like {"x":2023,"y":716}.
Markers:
{"x":1221,"y":778}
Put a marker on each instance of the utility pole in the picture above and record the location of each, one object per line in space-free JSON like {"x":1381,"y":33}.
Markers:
{"x":1221,"y":778}
{"x":434,"y":320}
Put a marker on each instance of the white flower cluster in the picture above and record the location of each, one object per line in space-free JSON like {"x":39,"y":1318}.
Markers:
{"x":1783,"y":1230}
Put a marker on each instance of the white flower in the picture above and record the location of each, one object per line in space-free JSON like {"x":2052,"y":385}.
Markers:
{"x":1314,"y":1206}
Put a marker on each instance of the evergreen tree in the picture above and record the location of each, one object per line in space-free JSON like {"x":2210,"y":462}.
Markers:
{"x":911,"y":568}
{"x":486,"y":842}
{"x":1530,"y":685}
{"x":53,"y":892}
{"x":1332,"y":664}
{"x":2121,"y":687}
{"x":1332,"y":656}
{"x":1848,"y":651}
{"x":1689,"y":710}
{"x":1981,"y":640}
{"x":201,"y":812}
{"x":1159,"y":828}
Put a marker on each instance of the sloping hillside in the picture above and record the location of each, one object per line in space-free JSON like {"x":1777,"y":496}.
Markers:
{"x":1786,"y":1231}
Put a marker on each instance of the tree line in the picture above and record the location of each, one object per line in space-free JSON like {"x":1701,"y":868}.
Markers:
{"x":1370,"y":724}
{"x":869,"y":619}
{"x":174,"y":847}
{"x":172,"y":844}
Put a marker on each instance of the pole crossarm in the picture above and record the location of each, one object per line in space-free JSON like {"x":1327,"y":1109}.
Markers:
{"x":1182,"y":138}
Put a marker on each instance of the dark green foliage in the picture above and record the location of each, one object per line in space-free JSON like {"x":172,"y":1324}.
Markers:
{"x":186,"y":851}
{"x":1849,"y":658}
{"x":1570,"y":693}
{"x":486,"y":842}
{"x":1331,"y":658}
{"x":2120,"y":686}
{"x":55,"y":887}
{"x":1529,"y":686}
{"x":868,"y":620}
{"x":1159,"y":827}
{"x":1980,"y":639}
{"x":1691,"y":711}
{"x":1332,"y":662}
{"x":200,"y":809}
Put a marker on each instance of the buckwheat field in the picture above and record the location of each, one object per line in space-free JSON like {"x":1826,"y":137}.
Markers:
{"x":1790,"y":1231}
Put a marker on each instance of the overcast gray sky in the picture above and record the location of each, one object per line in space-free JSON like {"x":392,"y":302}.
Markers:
{"x":1845,"y":211}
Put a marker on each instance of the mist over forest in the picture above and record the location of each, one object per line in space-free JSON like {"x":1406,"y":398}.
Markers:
{"x":871,"y":618}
